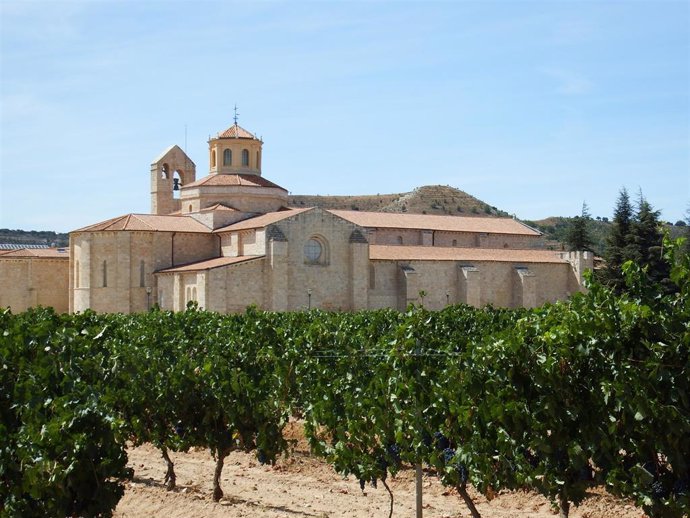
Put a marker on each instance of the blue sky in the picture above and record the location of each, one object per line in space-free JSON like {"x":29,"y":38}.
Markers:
{"x":533,"y":107}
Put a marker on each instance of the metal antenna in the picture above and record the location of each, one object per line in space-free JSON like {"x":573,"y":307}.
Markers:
{"x":236,"y":114}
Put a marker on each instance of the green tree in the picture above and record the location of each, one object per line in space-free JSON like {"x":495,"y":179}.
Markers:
{"x":618,"y":242}
{"x":646,"y":239}
{"x":579,"y":236}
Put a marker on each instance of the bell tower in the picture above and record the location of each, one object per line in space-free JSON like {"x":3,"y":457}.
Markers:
{"x":169,"y":172}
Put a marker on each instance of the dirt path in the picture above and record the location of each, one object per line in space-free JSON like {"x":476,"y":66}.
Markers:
{"x":303,"y":486}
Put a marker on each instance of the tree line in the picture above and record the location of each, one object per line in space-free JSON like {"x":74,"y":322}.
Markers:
{"x":636,"y":234}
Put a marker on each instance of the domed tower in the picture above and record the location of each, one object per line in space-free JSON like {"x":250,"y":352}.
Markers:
{"x":235,"y":151}
{"x":234,"y":178}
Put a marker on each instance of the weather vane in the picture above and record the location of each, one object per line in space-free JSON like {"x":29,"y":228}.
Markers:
{"x":236,"y":114}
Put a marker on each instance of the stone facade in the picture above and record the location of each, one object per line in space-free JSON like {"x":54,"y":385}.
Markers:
{"x":228,"y":240}
{"x":34,"y":277}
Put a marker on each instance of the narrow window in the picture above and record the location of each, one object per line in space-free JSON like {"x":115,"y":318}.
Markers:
{"x":245,"y":157}
{"x":213,"y":158}
{"x":77,"y":274}
{"x":160,"y":298}
{"x":105,"y":274}
{"x":258,"y":164}
{"x":142,"y":274}
{"x":400,"y":240}
{"x":227,"y":157}
{"x":455,"y":242}
{"x":190,"y":207}
{"x":372,"y":277}
{"x":164,"y":172}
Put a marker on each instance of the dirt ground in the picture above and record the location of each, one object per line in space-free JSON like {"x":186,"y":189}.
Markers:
{"x":304,"y":486}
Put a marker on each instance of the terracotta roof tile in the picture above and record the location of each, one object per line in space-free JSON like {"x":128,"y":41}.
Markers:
{"x":209,"y":264}
{"x":236,"y":131}
{"x":223,"y":180}
{"x":148,"y":223}
{"x":262,"y":221}
{"x":432,"y":222}
{"x":44,"y":253}
{"x":219,"y":207}
{"x":437,"y":253}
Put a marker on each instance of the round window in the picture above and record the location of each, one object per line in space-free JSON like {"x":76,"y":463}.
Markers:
{"x":312,"y":250}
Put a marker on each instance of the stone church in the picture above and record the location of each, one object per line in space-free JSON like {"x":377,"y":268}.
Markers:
{"x":229,"y":240}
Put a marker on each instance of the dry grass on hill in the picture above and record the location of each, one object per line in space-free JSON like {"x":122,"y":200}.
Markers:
{"x":430,"y":199}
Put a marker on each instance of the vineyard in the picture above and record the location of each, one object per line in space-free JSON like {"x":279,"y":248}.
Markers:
{"x":595,"y":390}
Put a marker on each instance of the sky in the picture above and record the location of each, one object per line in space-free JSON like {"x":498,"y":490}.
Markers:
{"x":532,"y":107}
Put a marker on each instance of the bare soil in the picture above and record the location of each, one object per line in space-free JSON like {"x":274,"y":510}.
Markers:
{"x":304,"y":486}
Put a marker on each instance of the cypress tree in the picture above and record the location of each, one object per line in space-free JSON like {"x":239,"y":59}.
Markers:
{"x":618,"y":247}
{"x":646,"y":241}
{"x":578,"y":236}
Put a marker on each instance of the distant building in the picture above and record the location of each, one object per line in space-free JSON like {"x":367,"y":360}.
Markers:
{"x":229,"y":240}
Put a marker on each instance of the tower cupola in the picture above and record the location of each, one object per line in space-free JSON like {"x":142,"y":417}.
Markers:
{"x":235,"y":151}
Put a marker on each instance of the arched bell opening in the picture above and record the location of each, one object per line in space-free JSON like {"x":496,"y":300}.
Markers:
{"x":177,"y":184}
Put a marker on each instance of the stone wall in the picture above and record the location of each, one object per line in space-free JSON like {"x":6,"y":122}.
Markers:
{"x":113,"y":271}
{"x":34,"y":281}
{"x":413,"y":237}
{"x":397,"y":284}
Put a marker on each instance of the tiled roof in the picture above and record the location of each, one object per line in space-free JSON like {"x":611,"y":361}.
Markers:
{"x":148,"y":222}
{"x":209,"y":264}
{"x":219,"y":207}
{"x":236,"y":131}
{"x":437,"y":253}
{"x":262,"y":221}
{"x":223,"y":180}
{"x":432,"y":222}
{"x":44,"y":253}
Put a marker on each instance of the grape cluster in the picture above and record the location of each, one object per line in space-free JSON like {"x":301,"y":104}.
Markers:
{"x":441,"y":441}
{"x":393,"y":451}
{"x":261,"y":456}
{"x":659,"y":490}
{"x":460,"y":468}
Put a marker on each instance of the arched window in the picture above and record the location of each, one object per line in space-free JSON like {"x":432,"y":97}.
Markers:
{"x":190,"y":208}
{"x":227,"y":157}
{"x":165,"y":172}
{"x":245,"y":157}
{"x":213,"y":158}
{"x":105,"y":274}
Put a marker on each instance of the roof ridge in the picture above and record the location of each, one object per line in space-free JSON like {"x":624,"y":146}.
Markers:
{"x":141,"y":220}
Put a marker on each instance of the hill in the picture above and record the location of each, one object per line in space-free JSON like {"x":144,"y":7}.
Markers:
{"x":429,"y":199}
{"x":33,"y":237}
